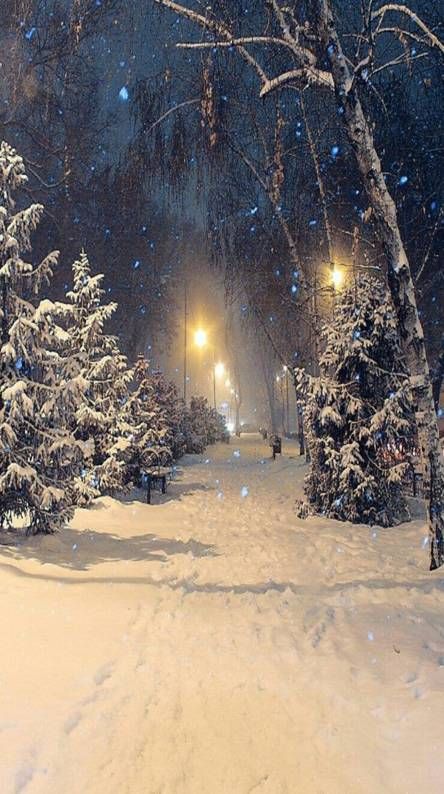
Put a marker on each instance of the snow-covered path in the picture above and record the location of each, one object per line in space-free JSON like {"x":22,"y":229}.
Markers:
{"x":214,"y":643}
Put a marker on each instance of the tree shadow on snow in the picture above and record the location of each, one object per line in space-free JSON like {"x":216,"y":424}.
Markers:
{"x":82,"y":550}
{"x":176,"y":490}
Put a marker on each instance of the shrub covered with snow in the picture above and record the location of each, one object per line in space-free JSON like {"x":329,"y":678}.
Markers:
{"x":202,"y":426}
{"x":146,"y":419}
{"x":173,"y":408}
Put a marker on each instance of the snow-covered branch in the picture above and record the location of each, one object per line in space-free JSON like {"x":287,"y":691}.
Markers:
{"x":216,"y":27}
{"x":306,"y":69}
{"x":237,"y":42}
{"x":309,"y":74}
{"x":402,"y":9}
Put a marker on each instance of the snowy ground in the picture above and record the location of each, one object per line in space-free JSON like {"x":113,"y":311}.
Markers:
{"x":213,"y":643}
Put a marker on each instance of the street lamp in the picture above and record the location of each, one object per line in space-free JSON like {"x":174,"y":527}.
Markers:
{"x":218,"y":372}
{"x":337,"y":277}
{"x":200,"y":338}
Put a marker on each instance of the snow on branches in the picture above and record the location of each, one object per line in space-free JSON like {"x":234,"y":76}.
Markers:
{"x":358,"y":412}
{"x":38,"y":453}
{"x":94,"y":357}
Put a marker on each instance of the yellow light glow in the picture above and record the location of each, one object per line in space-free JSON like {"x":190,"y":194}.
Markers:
{"x":219,"y":369}
{"x":200,"y":338}
{"x":337,"y":277}
{"x":227,"y":383}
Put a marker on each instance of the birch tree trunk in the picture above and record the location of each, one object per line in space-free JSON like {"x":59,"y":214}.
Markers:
{"x":399,"y":275}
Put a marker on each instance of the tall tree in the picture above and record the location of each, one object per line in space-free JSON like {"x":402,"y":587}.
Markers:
{"x":310,"y":39}
{"x":358,"y":412}
{"x":147,"y":445}
{"x":39,"y":456}
{"x":94,"y":355}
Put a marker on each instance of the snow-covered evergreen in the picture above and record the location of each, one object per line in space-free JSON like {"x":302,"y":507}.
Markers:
{"x":38,"y":454}
{"x":202,"y":425}
{"x":173,"y":408}
{"x":358,"y":412}
{"x":147,"y":441}
{"x":95,"y":356}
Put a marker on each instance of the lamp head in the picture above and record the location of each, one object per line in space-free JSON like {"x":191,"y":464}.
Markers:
{"x":200,"y":338}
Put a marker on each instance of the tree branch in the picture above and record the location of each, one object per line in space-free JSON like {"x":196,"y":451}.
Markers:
{"x":308,"y":73}
{"x":402,"y":9}
{"x":216,"y":27}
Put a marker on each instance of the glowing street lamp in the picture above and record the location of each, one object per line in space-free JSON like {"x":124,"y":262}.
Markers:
{"x":200,"y":338}
{"x":337,"y":277}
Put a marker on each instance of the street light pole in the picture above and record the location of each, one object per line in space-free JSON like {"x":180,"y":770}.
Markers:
{"x":287,"y":400}
{"x":214,"y":380}
{"x":201,"y":340}
{"x":185,"y":341}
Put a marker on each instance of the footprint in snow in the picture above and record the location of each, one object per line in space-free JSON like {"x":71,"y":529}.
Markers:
{"x":103,"y":673}
{"x":24,"y":775}
{"x":72,"y":722}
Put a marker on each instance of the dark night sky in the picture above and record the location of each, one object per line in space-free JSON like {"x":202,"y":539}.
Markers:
{"x":139,"y":44}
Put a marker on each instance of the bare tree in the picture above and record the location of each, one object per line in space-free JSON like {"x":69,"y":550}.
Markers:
{"x":315,"y":56}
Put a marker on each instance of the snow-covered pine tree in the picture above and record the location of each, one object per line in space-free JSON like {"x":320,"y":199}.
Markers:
{"x":95,"y":356}
{"x":147,"y":445}
{"x":38,"y":454}
{"x":359,"y":420}
{"x":173,"y":409}
{"x":202,"y":426}
{"x":217,"y":428}
{"x":196,"y":425}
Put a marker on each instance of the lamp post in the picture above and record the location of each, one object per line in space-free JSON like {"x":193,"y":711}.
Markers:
{"x":185,"y":341}
{"x":279,"y":380}
{"x":201,"y":340}
{"x":287,"y":401}
{"x":218,"y":371}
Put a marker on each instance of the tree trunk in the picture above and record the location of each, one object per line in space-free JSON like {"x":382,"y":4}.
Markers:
{"x":301,"y":435}
{"x":438,"y":378}
{"x":399,"y":276}
{"x":237,"y":422}
{"x":299,"y":417}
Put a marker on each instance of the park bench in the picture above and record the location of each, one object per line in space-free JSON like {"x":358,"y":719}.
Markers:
{"x":156,"y":477}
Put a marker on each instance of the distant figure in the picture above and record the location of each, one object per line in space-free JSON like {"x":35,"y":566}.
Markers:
{"x":276,"y":445}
